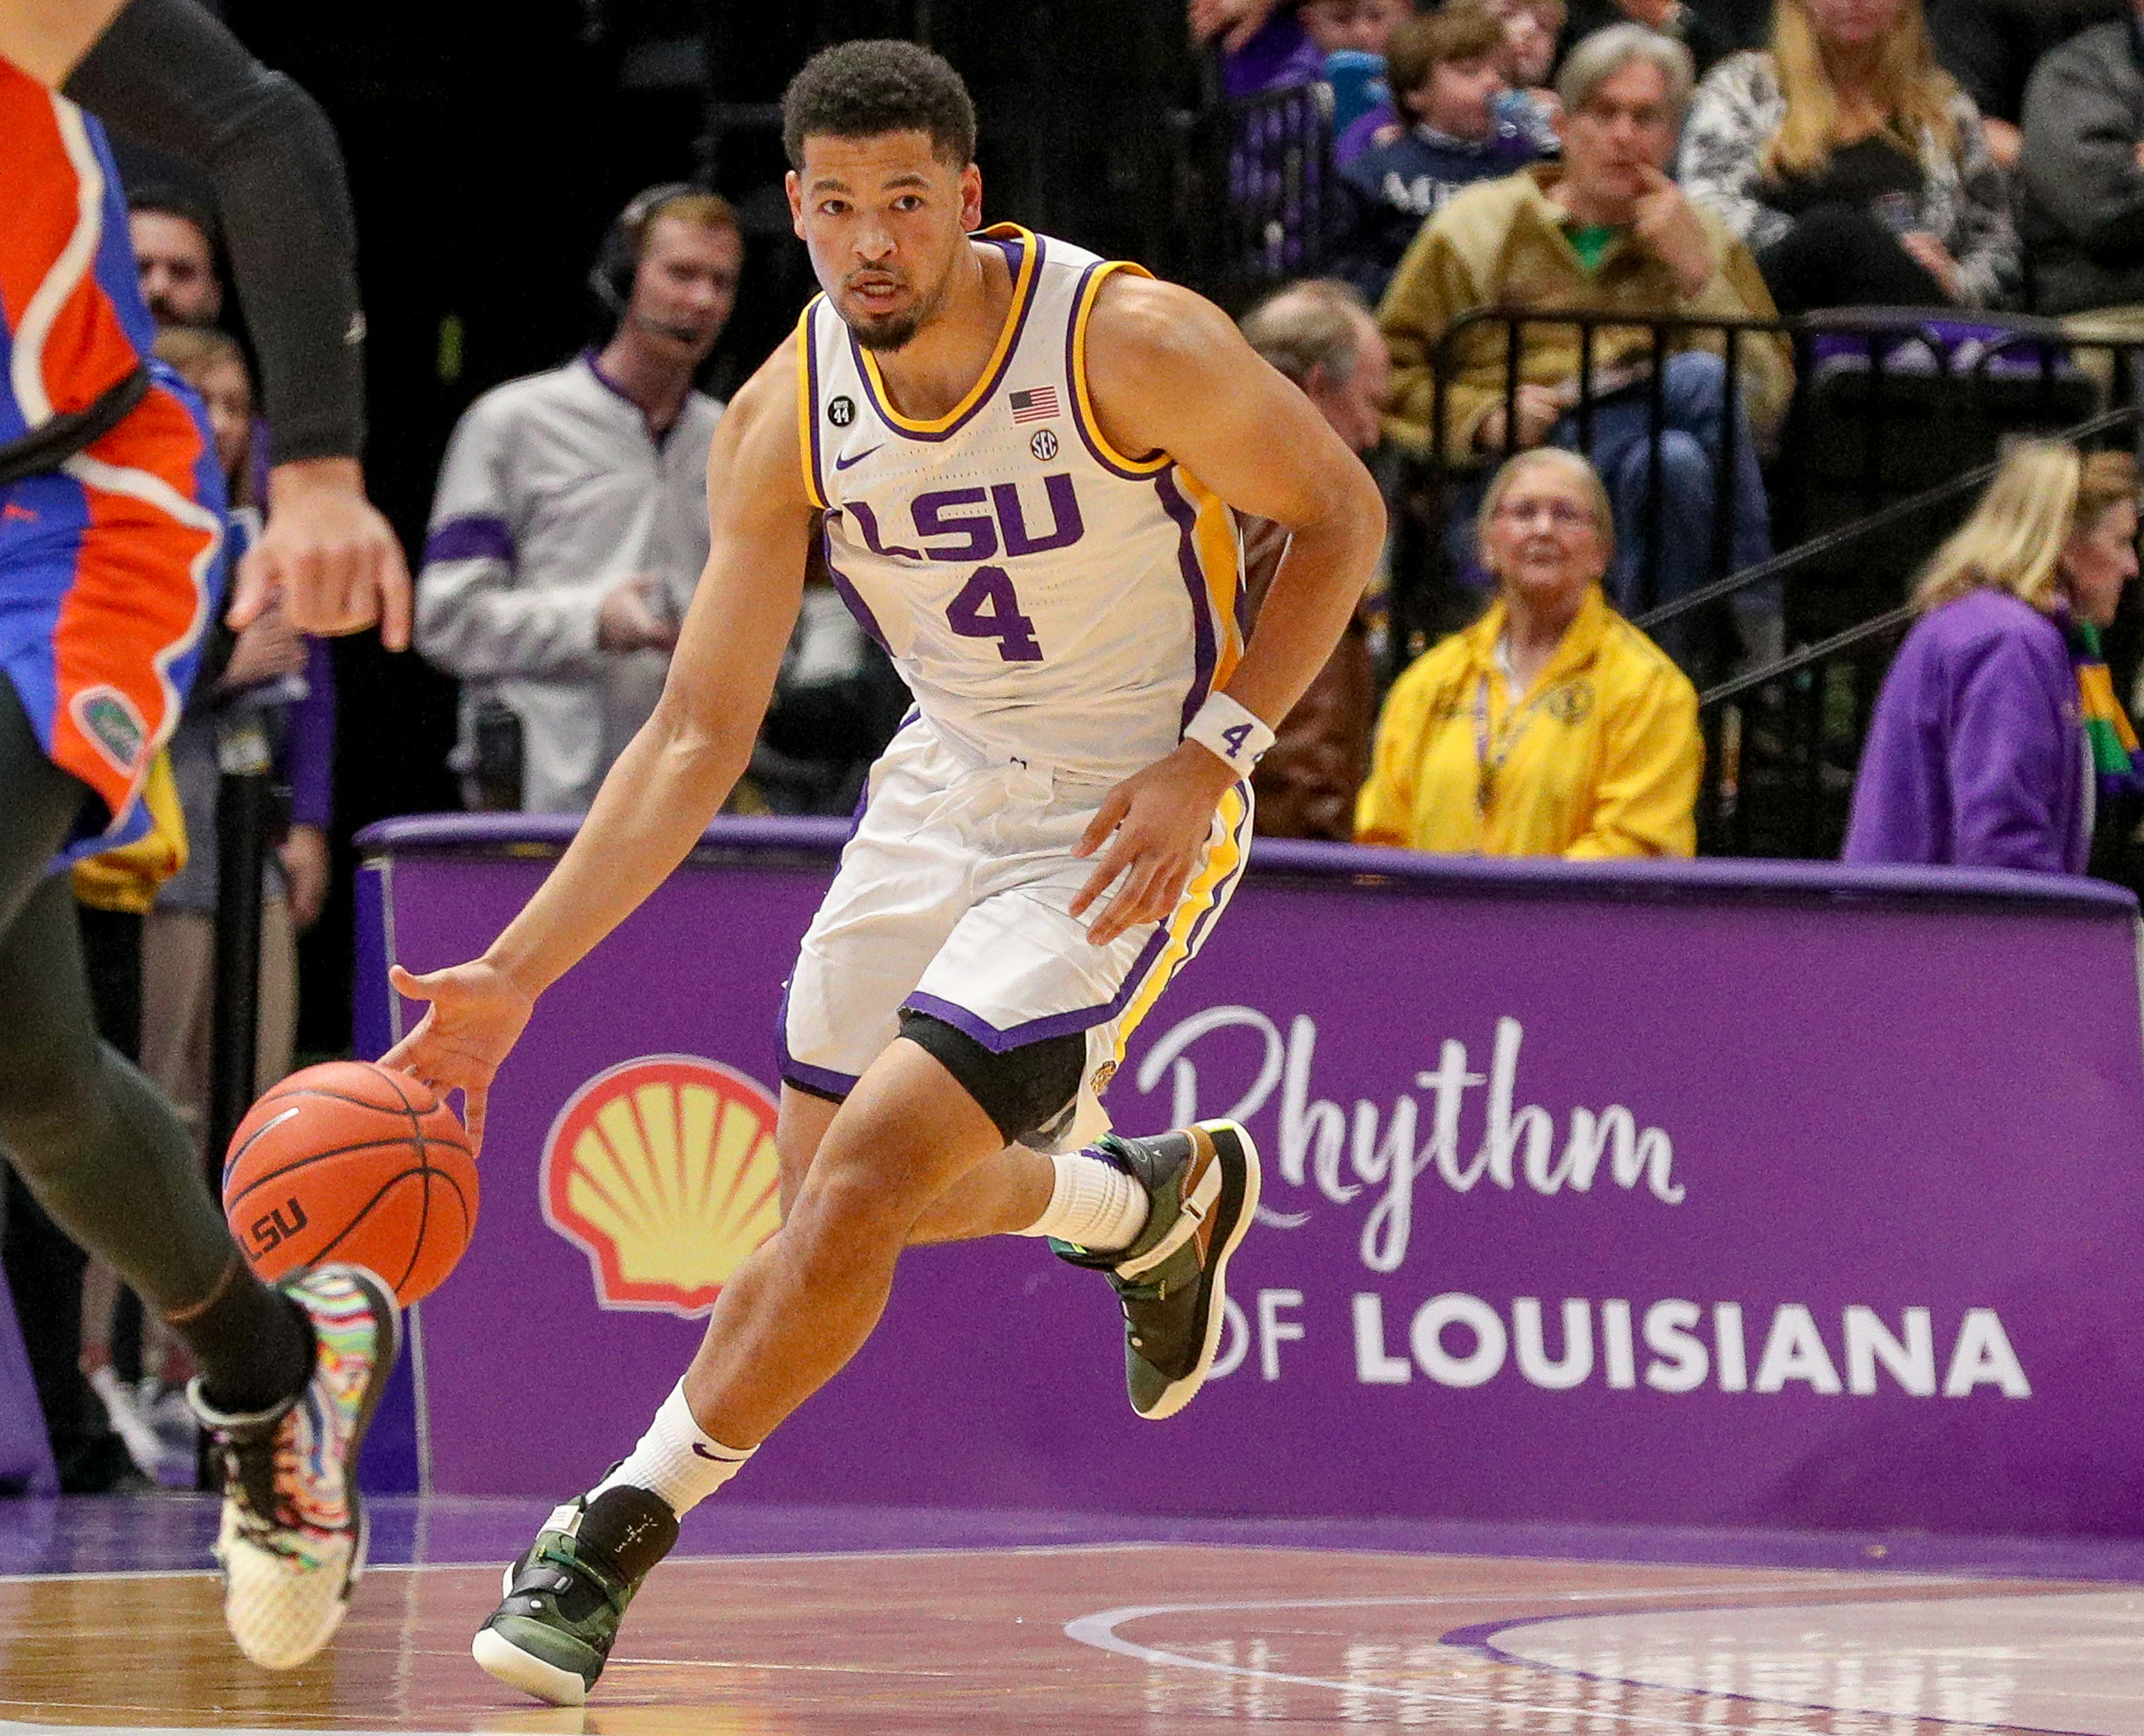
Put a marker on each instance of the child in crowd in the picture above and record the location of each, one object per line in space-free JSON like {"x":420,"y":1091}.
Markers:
{"x":1531,"y":30}
{"x":1446,"y":72}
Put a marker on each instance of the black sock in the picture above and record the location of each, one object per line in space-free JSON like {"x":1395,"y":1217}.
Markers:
{"x":255,"y":1345}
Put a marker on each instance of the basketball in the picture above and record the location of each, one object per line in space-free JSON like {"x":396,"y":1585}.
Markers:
{"x":348,"y":1161}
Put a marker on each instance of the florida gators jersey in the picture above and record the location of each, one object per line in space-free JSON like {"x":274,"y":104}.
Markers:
{"x":1046,"y":597}
{"x":72,"y":323}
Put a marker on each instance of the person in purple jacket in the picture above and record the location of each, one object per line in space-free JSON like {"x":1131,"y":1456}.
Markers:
{"x":1997,"y":731}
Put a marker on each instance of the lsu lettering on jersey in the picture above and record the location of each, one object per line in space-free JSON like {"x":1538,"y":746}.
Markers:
{"x":1045,"y":596}
{"x":109,"y":564}
{"x":1060,"y":610}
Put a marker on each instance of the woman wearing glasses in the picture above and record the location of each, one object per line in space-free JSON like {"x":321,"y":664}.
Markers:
{"x":1551,"y":727}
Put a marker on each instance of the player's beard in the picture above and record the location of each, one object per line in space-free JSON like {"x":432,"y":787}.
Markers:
{"x":894,"y":330}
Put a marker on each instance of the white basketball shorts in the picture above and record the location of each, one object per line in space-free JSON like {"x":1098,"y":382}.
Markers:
{"x":954,"y":899}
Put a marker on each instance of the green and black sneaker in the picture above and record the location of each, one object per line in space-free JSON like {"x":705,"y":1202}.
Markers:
{"x":565,"y":1596}
{"x":1202,"y":1188}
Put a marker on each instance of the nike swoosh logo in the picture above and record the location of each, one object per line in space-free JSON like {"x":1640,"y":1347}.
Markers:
{"x":717,"y":1458}
{"x":843,"y":463}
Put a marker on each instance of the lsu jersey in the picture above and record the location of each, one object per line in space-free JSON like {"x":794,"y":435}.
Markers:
{"x":1047,"y":598}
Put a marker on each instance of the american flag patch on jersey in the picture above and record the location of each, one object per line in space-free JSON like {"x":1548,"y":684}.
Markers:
{"x":1038,"y":405}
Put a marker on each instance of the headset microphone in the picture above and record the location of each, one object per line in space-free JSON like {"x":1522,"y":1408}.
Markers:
{"x":683,"y":334}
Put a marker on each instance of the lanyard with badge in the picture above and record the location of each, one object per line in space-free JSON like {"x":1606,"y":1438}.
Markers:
{"x":1491,"y":752}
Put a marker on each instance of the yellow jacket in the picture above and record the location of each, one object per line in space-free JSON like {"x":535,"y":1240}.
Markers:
{"x":1606,"y":765}
{"x":126,"y":879}
{"x":1501,"y":243}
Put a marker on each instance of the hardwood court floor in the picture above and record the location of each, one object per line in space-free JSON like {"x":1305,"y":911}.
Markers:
{"x":1118,"y":1638}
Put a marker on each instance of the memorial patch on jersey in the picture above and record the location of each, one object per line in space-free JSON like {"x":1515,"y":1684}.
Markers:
{"x":841,"y":412}
{"x":1038,"y":404}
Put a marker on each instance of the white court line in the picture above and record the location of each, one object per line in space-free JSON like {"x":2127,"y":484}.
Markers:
{"x":1100,"y":1630}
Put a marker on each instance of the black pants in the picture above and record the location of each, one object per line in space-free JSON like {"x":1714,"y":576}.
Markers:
{"x":102,"y":1152}
{"x":1837,"y":256}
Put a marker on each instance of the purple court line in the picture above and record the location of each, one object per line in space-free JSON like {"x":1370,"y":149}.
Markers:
{"x":114,"y":1533}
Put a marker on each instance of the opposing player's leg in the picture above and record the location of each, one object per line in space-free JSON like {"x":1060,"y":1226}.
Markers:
{"x":102,"y":578}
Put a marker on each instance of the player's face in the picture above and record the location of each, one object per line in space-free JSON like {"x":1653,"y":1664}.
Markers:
{"x":887,"y":222}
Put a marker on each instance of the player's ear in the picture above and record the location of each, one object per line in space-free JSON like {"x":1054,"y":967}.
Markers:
{"x":971,"y":197}
{"x":794,"y":186}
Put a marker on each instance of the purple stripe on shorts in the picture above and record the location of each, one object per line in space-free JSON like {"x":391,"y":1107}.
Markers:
{"x":1054,"y":1024}
{"x":821,"y":1081}
{"x":476,"y":536}
{"x":1176,"y":507}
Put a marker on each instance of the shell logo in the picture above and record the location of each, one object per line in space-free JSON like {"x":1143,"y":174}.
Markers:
{"x":663,"y":1171}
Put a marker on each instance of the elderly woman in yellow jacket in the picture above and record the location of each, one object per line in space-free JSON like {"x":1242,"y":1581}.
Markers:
{"x":1551,"y":727}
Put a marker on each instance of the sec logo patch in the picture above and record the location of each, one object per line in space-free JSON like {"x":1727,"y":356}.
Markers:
{"x":1043,"y":445}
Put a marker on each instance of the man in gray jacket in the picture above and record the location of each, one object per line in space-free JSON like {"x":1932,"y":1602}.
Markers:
{"x":2082,"y":172}
{"x":570,"y":523}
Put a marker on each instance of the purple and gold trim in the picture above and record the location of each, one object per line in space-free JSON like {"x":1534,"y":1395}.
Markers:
{"x":807,"y":409}
{"x":1023,"y":253}
{"x":1131,"y":469}
{"x":1203,"y":637}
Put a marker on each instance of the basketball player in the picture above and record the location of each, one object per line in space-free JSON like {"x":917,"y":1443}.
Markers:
{"x":1028,"y":462}
{"x":110,"y":505}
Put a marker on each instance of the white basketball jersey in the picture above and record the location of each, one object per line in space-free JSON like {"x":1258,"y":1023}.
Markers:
{"x":1045,"y":597}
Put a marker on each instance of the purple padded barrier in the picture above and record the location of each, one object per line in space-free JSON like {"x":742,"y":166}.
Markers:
{"x":1774,"y":1195}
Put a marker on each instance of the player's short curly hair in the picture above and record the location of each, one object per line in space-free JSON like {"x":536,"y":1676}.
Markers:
{"x":861,"y":90}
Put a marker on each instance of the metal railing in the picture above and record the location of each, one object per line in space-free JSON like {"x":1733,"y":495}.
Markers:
{"x":1257,"y":181}
{"x":1895,"y":421}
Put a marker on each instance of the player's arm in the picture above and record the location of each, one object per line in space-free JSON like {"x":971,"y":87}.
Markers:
{"x":166,"y":73}
{"x":1168,"y":371}
{"x":676,"y":773}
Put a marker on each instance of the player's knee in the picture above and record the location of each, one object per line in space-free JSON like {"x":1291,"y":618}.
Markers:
{"x":1019,"y":1089}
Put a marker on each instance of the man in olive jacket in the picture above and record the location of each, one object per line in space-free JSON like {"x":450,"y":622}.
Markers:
{"x":2082,"y":172}
{"x":1606,"y":231}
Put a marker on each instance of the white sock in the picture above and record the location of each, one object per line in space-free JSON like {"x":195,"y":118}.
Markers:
{"x":1093,"y":1203}
{"x":676,"y":1458}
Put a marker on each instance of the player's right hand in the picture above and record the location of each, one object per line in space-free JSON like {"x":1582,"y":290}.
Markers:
{"x":477,"y":1013}
{"x":327,"y":552}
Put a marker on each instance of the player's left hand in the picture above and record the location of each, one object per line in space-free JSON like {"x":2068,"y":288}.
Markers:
{"x":1161,"y":818}
{"x":477,"y":1013}
{"x":329,"y":555}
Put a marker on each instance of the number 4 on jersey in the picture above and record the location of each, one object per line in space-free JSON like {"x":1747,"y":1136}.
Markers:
{"x":988,"y":607}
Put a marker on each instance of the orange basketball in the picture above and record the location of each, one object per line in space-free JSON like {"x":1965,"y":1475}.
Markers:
{"x":347,"y":1161}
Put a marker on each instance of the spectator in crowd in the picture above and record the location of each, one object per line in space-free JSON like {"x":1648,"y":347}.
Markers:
{"x":1606,"y":231}
{"x":1532,"y":29}
{"x":2080,"y":171}
{"x":1852,"y":165}
{"x":175,"y":255}
{"x":570,"y":524}
{"x":1446,"y":72}
{"x":1997,"y":731}
{"x":1321,"y":335}
{"x":1708,"y":39}
{"x":1990,"y":47}
{"x":1551,"y":727}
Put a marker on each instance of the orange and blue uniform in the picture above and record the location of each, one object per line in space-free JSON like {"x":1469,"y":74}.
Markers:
{"x":109,"y":563}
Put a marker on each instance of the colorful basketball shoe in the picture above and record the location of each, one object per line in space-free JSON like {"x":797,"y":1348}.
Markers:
{"x":1202,"y":1189}
{"x":292,"y":1542}
{"x":564,"y":1599}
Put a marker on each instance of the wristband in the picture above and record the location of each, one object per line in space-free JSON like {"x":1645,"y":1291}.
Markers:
{"x":1230,"y":732}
